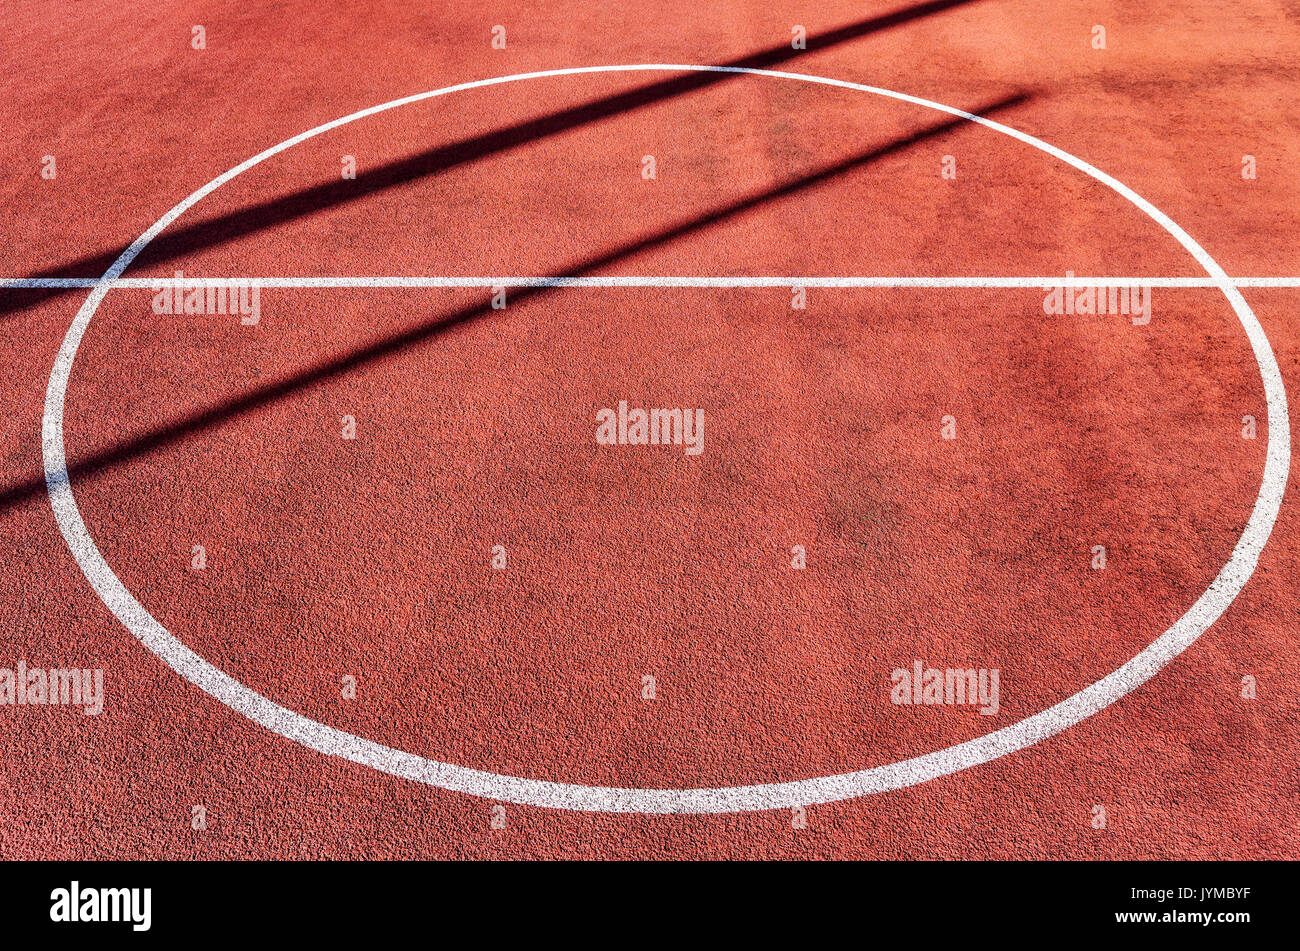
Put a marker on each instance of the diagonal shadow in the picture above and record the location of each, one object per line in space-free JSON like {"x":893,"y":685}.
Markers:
{"x":237,"y":406}
{"x":217,"y":231}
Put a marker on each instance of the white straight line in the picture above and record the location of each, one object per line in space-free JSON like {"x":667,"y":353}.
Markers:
{"x":149,"y":283}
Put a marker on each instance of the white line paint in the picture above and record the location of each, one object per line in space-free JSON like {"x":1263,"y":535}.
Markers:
{"x":1017,"y":736}
{"x":794,"y":280}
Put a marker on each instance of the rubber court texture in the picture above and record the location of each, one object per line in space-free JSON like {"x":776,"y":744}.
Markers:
{"x":517,"y":694}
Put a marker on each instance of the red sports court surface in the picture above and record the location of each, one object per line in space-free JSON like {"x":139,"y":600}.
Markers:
{"x":646,"y":672}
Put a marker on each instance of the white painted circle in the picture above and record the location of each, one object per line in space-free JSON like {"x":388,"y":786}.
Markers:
{"x":333,"y":742}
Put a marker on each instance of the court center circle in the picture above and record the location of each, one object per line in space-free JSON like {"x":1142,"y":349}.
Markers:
{"x":1225,"y":587}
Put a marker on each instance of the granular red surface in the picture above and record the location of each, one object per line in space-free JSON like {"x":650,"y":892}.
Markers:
{"x":371,"y":557}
